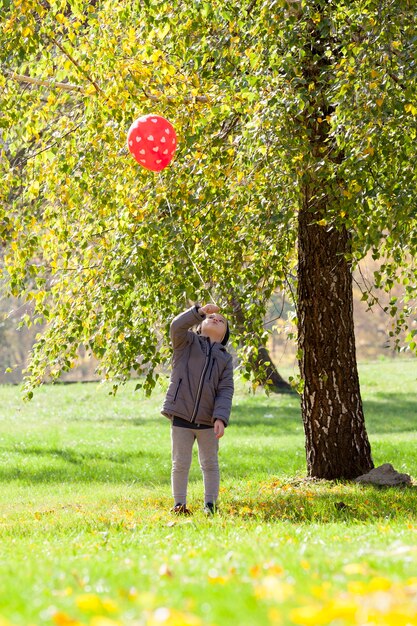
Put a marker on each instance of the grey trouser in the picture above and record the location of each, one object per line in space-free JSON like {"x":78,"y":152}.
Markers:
{"x":182,"y":447}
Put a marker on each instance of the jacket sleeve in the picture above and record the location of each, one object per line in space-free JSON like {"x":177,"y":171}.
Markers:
{"x":180,"y":325}
{"x":224,"y":396}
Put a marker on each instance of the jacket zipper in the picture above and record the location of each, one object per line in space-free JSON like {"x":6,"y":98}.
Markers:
{"x":178,"y":389}
{"x":200,"y":384}
{"x":211,"y":368}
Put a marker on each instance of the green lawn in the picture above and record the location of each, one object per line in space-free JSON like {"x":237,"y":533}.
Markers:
{"x":87,"y":537}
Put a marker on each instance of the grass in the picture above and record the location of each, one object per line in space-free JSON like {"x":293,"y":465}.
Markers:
{"x":86,"y":537}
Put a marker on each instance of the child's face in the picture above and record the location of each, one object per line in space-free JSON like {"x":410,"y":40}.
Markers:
{"x":214,"y":326}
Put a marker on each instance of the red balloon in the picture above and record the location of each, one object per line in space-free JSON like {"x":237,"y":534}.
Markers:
{"x":152,"y":141}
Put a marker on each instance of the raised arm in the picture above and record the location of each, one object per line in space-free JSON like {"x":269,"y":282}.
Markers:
{"x":181,"y":324}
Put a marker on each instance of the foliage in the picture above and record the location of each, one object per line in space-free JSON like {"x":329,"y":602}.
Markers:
{"x":107,"y":252}
{"x":87,"y":537}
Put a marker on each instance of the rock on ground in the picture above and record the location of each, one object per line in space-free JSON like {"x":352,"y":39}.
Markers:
{"x":384,"y":475}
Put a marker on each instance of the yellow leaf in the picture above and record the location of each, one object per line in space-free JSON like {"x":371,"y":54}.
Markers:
{"x":89,"y":602}
{"x":215,"y":579}
{"x":370,"y":150}
{"x":380,"y":101}
{"x":99,"y":620}
{"x":62,"y":619}
{"x":410,"y":108}
{"x":165,"y":571}
{"x":355,"y":568}
{"x":92,"y":603}
{"x":275,"y":617}
{"x":131,"y":35}
{"x":379,"y":583}
{"x":273,"y":588}
{"x":255,"y":571}
{"x":321,"y":592}
{"x":313,"y":615}
{"x":272,"y":568}
{"x":306,"y":615}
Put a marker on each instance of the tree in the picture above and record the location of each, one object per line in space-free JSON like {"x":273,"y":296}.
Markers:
{"x":296,"y":123}
{"x":259,"y":363}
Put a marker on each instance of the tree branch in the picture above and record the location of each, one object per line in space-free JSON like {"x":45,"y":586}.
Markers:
{"x":21,"y":78}
{"x":77,"y":65}
{"x":44,"y":83}
{"x":31,"y":156}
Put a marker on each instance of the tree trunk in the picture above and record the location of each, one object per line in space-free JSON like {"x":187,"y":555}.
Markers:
{"x":268,"y":373}
{"x":337,"y":445}
{"x":261,"y":363}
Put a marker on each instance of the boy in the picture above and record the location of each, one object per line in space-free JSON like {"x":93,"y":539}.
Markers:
{"x":199,"y":399}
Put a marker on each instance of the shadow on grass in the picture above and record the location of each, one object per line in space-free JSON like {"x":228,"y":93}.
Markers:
{"x":257,"y":422}
{"x":391,"y":413}
{"x":66,"y":465}
{"x":370,"y":504}
{"x":384,"y":413}
{"x":269,"y":414}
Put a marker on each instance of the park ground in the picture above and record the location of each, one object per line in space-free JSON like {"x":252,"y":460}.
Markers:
{"x":87,"y":538}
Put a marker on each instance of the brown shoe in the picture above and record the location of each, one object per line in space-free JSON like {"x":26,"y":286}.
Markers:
{"x":180,"y":509}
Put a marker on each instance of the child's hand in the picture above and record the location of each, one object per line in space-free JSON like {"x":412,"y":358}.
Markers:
{"x":207,"y":309}
{"x":219,"y":428}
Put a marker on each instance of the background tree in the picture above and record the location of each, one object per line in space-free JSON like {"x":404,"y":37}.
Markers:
{"x":296,"y":122}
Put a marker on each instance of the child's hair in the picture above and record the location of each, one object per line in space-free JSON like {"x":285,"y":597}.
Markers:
{"x":226,"y":334}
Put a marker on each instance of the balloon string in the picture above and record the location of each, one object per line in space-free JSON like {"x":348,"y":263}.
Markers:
{"x":197,"y":271}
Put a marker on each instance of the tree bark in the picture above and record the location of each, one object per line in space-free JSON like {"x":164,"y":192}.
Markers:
{"x":268,"y":374}
{"x":337,"y":445}
{"x":261,"y":363}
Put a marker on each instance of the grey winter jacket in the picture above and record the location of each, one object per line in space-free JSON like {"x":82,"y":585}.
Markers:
{"x":201,"y":385}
